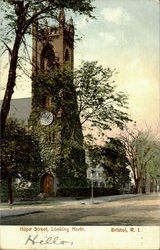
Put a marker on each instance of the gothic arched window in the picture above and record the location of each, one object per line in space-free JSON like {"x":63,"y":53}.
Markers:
{"x":46,"y":100}
{"x":66,"y":55}
{"x":47,"y":58}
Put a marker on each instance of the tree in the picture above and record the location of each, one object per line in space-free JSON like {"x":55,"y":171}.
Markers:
{"x":153,"y":164}
{"x":142,"y":152}
{"x":20,"y":155}
{"x":21,"y":15}
{"x":100,"y":105}
{"x":114,"y":161}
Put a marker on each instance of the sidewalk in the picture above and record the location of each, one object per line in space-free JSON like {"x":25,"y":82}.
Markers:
{"x":108,"y":198}
{"x":19,"y":210}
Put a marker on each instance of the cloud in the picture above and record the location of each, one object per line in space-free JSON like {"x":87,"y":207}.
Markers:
{"x":135,"y":64}
{"x":107,"y":37}
{"x":115,"y":15}
{"x":83,"y":22}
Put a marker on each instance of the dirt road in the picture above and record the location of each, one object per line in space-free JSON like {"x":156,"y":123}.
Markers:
{"x":143,"y":210}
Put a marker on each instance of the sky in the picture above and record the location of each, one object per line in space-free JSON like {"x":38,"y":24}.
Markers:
{"x":125,"y":36}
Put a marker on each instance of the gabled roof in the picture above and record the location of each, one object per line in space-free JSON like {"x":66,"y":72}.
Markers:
{"x":20,"y":108}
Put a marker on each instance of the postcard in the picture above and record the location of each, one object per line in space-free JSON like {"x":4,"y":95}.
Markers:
{"x":80,"y":119}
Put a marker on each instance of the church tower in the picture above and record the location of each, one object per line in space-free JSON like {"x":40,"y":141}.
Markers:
{"x":54,"y":119}
{"x":52,"y":45}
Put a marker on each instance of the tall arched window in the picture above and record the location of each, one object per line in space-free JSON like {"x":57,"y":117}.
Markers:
{"x":66,"y":55}
{"x":46,"y":100}
{"x":47,"y":58}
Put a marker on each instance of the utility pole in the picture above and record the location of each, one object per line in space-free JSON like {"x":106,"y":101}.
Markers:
{"x":92,"y":190}
{"x":92,"y":184}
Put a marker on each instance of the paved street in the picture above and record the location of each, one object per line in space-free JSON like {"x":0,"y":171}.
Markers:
{"x":141,"y":210}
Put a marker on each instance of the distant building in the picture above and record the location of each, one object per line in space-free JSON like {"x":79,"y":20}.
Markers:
{"x":97,"y":175}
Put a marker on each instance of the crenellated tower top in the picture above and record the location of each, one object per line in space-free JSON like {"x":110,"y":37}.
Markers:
{"x":56,"y":41}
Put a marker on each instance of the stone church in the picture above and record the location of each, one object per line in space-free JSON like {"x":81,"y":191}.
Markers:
{"x":56,"y":125}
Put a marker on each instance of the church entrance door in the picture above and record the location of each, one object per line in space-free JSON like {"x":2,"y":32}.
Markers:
{"x":47,"y":184}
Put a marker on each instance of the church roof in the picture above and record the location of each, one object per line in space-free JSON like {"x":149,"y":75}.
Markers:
{"x":20,"y":109}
